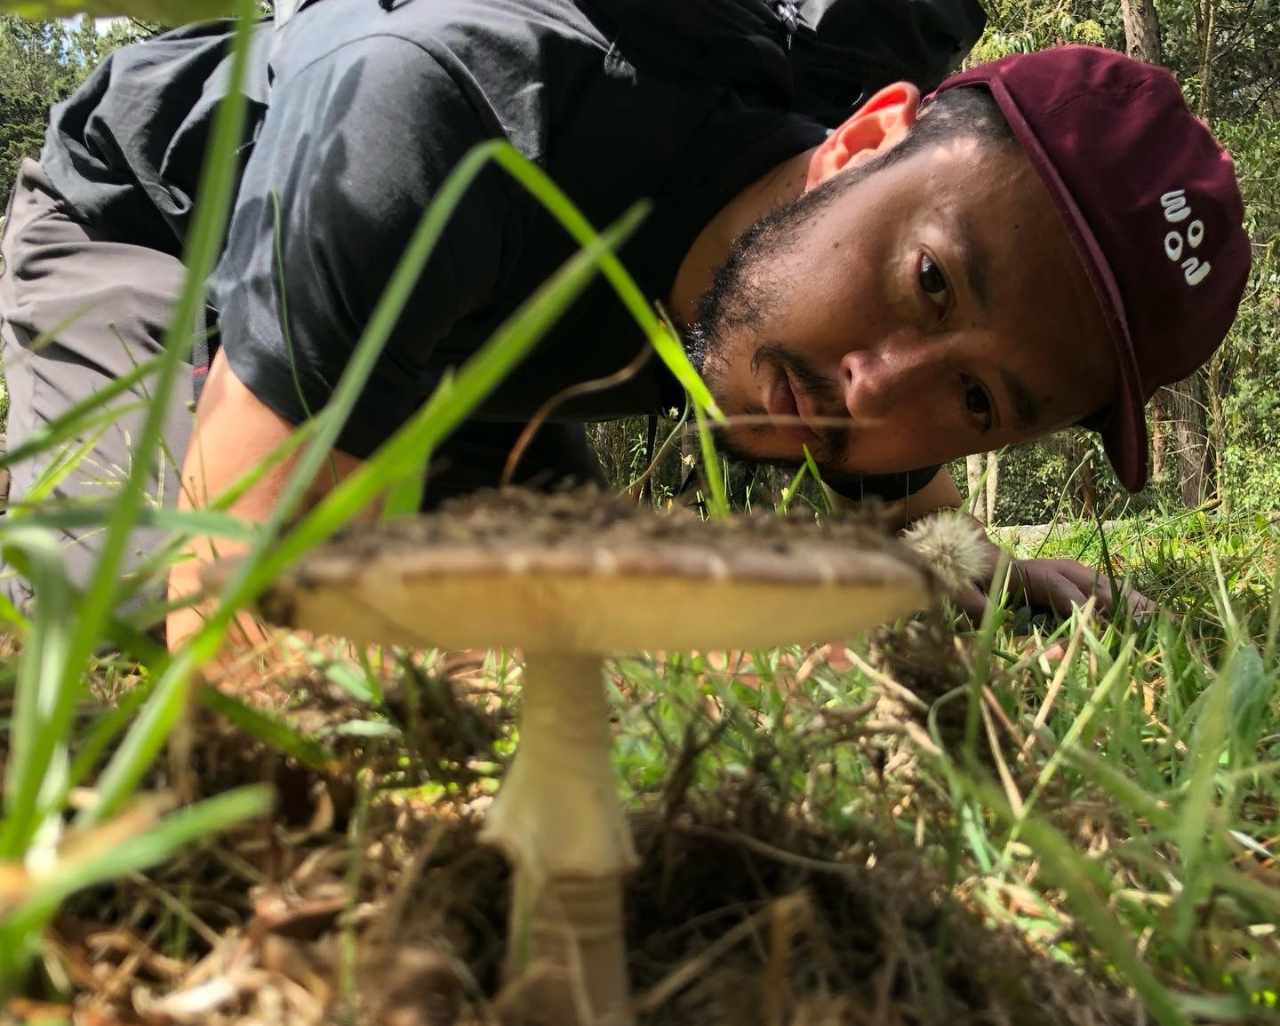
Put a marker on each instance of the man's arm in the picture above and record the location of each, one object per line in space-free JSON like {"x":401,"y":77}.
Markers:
{"x":234,"y":432}
{"x":1057,"y":584}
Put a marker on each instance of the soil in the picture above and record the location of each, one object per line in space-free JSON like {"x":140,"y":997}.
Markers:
{"x":744,"y":913}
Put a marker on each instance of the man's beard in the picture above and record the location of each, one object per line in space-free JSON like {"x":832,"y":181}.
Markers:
{"x":747,"y":285}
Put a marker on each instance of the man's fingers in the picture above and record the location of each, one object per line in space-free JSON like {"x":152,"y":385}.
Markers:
{"x":1095,"y":582}
{"x":1063,"y":594}
{"x":1138,"y":604}
{"x":973,"y":602}
{"x":1089,"y":581}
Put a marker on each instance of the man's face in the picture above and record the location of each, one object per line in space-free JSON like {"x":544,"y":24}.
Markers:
{"x":904,"y":316}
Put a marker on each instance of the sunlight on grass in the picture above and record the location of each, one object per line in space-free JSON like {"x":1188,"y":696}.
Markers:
{"x":1116,"y":801}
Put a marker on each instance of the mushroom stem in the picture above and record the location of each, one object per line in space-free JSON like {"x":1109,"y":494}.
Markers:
{"x":558,"y":820}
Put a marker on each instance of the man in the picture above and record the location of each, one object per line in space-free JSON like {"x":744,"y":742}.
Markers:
{"x":1044,"y":244}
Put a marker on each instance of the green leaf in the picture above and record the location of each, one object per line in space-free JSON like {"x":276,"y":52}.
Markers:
{"x":45,"y":699}
{"x":167,"y":12}
{"x":718,"y":501}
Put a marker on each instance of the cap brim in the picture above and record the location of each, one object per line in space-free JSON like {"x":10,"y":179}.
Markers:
{"x":1124,"y":437}
{"x":1123,"y":425}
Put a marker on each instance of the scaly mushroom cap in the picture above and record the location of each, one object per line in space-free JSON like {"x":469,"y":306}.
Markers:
{"x":581,"y":572}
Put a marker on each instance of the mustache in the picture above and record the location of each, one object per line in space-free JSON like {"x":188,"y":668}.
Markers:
{"x":832,"y":424}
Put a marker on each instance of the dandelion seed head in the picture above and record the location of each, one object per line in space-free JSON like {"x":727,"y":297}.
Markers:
{"x":952,"y":546}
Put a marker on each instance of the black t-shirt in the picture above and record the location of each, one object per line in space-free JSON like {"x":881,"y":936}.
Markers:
{"x":358,"y":114}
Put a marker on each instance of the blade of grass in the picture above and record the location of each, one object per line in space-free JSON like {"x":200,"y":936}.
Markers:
{"x":57,"y":471}
{"x":399,"y":456}
{"x":185,"y":523}
{"x":108,"y":726}
{"x":37,"y":758}
{"x":270,"y":730}
{"x":1086,"y":886}
{"x":163,"y":558}
{"x":86,"y":413}
{"x":823,"y":487}
{"x":152,"y":845}
{"x":1075,"y":732}
{"x":166,"y":12}
{"x":789,"y":492}
{"x":1194,"y":829}
{"x":717,"y":501}
{"x":98,"y":600}
{"x":405,"y":497}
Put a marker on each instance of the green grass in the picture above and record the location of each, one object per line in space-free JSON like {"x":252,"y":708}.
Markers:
{"x":1137,"y":838}
{"x":1119,"y":807}
{"x":67,"y":625}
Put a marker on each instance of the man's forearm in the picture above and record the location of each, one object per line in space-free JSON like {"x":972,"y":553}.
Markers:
{"x":234,"y":432}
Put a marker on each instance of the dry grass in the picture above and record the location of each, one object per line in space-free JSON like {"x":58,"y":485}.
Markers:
{"x":346,"y":907}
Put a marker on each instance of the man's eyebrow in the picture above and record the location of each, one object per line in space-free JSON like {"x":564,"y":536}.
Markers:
{"x":1026,"y":406}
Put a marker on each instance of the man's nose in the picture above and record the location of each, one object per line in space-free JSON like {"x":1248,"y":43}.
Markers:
{"x":899,"y":371}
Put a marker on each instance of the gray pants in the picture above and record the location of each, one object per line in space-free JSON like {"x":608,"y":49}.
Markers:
{"x":98,"y":308}
{"x":77,"y":311}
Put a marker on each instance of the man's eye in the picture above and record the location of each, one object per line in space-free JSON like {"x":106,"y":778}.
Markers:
{"x":977,"y":403}
{"x":933,"y":281}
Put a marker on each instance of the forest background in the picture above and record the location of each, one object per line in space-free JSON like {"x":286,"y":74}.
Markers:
{"x":1215,"y":436}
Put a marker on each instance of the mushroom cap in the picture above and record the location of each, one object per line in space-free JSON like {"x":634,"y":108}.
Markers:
{"x":578,"y":572}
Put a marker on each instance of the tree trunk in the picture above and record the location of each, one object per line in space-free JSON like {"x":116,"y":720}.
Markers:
{"x":993,"y":480}
{"x":1193,"y":443}
{"x":1218,"y":382}
{"x":973,"y":476}
{"x":1179,"y":409}
{"x":1207,"y":23}
{"x":1141,"y":30}
{"x":1158,"y":419}
{"x":1085,"y":474}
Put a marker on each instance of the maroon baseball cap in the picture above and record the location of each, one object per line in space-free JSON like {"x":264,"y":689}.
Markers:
{"x":1151,"y":203}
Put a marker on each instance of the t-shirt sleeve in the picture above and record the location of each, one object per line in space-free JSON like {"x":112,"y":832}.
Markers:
{"x":353,"y":149}
{"x":885,"y":487}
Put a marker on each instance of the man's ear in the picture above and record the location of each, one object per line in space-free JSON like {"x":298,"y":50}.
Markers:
{"x":878,"y":125}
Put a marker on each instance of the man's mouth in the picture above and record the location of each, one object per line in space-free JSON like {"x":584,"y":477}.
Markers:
{"x":791,"y":407}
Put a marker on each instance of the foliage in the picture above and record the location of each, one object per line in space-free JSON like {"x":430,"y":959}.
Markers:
{"x":1152,"y":747}
{"x":40,"y":64}
{"x":166,"y":12}
{"x":67,"y":627}
{"x":1244,"y":40}
{"x":1123,"y":798}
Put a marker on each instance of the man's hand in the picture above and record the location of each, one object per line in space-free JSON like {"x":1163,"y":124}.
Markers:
{"x":1059,"y":584}
{"x":1055,"y":584}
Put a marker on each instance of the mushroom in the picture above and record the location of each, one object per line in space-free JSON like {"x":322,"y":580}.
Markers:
{"x":568,"y":578}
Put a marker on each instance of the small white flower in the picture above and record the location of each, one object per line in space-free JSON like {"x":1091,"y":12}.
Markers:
{"x":952,"y":546}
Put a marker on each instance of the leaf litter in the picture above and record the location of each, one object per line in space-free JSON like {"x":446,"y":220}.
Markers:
{"x":355,"y":905}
